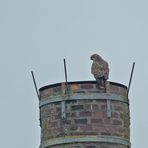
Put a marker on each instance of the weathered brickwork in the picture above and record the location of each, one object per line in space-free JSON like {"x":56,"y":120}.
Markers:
{"x":84,"y":117}
{"x":79,"y":88}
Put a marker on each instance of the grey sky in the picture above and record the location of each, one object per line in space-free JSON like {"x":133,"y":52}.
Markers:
{"x":38,"y":34}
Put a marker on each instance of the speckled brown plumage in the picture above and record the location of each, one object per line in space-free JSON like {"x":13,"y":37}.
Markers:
{"x":99,"y":69}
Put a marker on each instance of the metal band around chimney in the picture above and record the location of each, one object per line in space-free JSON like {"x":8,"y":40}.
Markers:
{"x":82,"y":96}
{"x":80,"y":139}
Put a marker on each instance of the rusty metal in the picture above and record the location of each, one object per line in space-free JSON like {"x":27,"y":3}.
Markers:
{"x":35,"y":85}
{"x":66,"y":81}
{"x":130,"y":78}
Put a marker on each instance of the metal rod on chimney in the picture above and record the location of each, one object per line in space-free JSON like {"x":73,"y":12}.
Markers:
{"x":35,"y":85}
{"x":65,"y":69}
{"x":130,"y":78}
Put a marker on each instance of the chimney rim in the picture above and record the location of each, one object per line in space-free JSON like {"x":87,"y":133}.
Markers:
{"x":79,"y":82}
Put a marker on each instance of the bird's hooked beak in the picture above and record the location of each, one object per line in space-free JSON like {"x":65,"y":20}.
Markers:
{"x":91,"y":58}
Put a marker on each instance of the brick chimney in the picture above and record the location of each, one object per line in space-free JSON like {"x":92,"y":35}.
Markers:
{"x":83,"y":116}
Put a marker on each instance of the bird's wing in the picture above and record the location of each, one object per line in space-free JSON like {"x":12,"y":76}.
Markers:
{"x":97,"y":70}
{"x":106,"y":70}
{"x":100,"y":69}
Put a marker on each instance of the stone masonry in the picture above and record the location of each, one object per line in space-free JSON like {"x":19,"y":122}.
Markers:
{"x":88,"y":121}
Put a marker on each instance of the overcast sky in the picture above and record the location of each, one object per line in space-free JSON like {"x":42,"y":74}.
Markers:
{"x":37,"y":34}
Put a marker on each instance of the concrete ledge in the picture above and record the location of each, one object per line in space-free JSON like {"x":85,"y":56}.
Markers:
{"x":80,"y":139}
{"x":83,"y":96}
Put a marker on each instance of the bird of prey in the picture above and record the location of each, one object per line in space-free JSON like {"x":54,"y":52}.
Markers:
{"x":100,"y":70}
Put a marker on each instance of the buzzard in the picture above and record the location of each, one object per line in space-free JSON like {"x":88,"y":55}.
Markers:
{"x":100,"y":70}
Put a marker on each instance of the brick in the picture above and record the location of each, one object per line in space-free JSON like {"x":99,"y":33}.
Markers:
{"x":68,"y":115}
{"x":73,"y":127}
{"x":106,"y":146}
{"x":68,"y":122}
{"x":90,"y":147}
{"x":86,"y":86}
{"x":87,"y":106}
{"x":103,"y":107}
{"x":96,"y":121}
{"x":117,"y":122}
{"x":57,"y":89}
{"x":74,"y":87}
{"x":95,"y":107}
{"x":122,"y":116}
{"x":113,"y":89}
{"x":85,"y":114}
{"x":126,"y":123}
{"x":123,"y":91}
{"x":58,"y":109}
{"x":46,"y":93}
{"x":80,"y":121}
{"x":121,"y":130}
{"x":98,"y":128}
{"x":76,"y":147}
{"x":86,"y":128}
{"x":118,"y":108}
{"x":111,"y":129}
{"x":74,"y":114}
{"x":115,"y":115}
{"x":107,"y":121}
{"x":58,"y":116}
{"x":98,"y":114}
{"x":77,"y":107}
{"x":126,"y":134}
{"x":105,"y":134}
{"x":54,"y":124}
{"x":79,"y":133}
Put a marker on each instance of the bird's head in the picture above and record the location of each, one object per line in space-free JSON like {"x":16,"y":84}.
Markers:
{"x":95,"y":57}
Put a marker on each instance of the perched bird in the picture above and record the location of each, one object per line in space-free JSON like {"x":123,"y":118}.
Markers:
{"x":100,"y":70}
